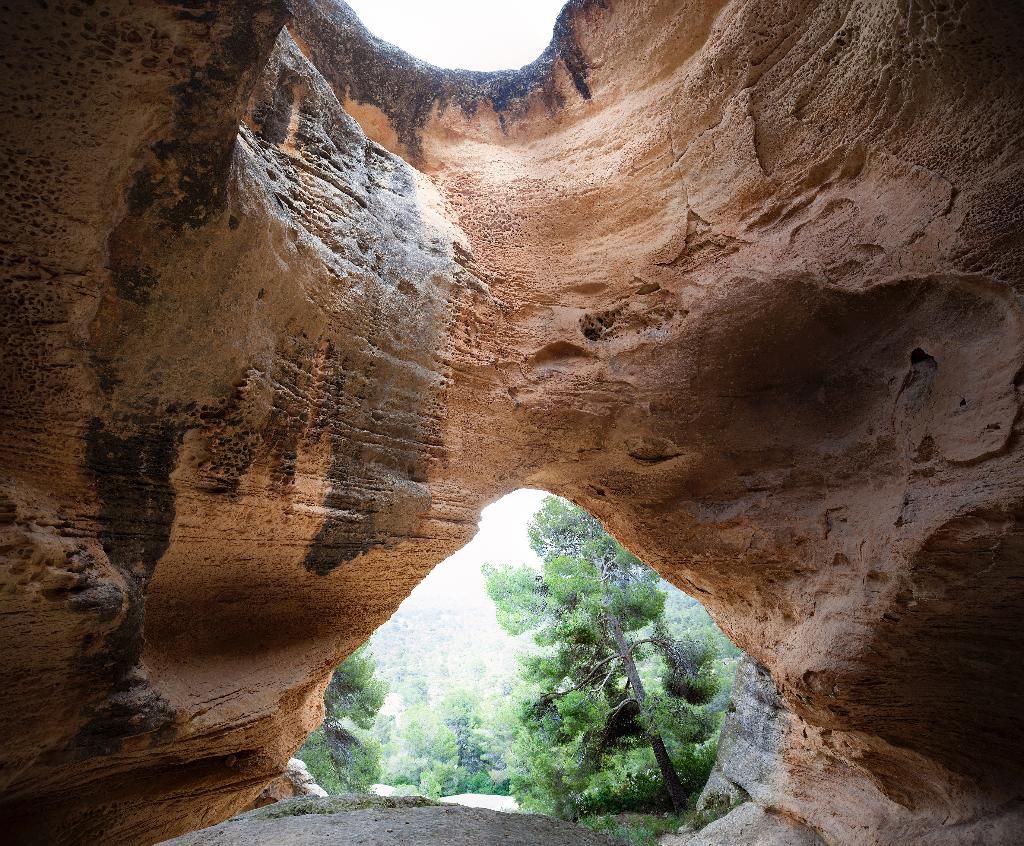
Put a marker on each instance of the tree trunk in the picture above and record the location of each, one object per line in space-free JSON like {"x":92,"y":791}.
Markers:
{"x":673,"y":786}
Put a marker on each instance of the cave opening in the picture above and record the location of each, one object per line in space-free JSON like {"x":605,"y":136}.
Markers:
{"x":542,"y":667}
{"x":463,"y":34}
{"x":285,"y":305}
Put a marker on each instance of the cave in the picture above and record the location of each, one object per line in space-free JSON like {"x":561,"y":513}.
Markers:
{"x":284,"y":308}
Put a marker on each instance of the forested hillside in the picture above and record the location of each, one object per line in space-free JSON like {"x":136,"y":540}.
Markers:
{"x":445,"y":636}
{"x":431,"y":647}
{"x":452,"y":716}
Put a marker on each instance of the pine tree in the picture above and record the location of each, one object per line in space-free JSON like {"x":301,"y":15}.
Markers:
{"x":597,"y":611}
{"x":341,"y":754}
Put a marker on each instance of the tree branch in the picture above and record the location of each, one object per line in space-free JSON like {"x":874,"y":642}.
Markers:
{"x":620,"y":706}
{"x":587,"y":680}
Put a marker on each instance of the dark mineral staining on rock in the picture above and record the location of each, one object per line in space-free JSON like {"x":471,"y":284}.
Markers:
{"x":132,"y":477}
{"x":273,"y":118}
{"x":183,"y":175}
{"x":136,"y":498}
{"x":919,"y":356}
{"x":601,"y":325}
{"x":142,"y":193}
{"x":133,"y":708}
{"x":134,"y":282}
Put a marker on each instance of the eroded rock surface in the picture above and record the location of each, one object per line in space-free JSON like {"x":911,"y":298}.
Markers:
{"x":294,"y":781}
{"x":741,"y":788}
{"x":749,"y":825}
{"x":283,"y":309}
{"x":374,"y":821}
{"x":753,"y":732}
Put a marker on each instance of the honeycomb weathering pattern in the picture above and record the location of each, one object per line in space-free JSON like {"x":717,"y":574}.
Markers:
{"x":283,"y":308}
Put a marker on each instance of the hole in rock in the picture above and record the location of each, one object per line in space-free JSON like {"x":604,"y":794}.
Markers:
{"x":541,"y":667}
{"x":464,"y":34}
{"x":918,"y":355}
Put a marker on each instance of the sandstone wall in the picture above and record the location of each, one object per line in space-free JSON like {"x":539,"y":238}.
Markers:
{"x":283,"y":309}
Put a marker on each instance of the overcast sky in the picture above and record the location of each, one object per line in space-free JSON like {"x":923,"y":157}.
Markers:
{"x":502,"y":539}
{"x":469,"y":34}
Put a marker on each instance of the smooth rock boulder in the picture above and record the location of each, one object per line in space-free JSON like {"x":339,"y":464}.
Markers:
{"x":295,"y":781}
{"x":749,"y":825}
{"x":753,"y":731}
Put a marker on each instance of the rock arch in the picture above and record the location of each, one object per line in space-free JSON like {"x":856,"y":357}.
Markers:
{"x":284,"y":308}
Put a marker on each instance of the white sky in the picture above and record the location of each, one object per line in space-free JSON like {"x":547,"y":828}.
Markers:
{"x":468,"y":34}
{"x":502,"y":539}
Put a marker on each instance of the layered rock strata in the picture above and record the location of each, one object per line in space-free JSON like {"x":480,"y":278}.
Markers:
{"x":284,"y":308}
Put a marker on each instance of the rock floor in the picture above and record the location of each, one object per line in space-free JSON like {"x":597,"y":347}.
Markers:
{"x":379,"y":821}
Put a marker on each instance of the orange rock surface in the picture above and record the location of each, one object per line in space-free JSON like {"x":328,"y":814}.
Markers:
{"x":283,"y":308}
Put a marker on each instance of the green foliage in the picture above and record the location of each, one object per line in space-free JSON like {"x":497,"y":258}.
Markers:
{"x":354,"y":692}
{"x":630,"y":780}
{"x":429,"y":650}
{"x":302,"y":806}
{"x":465,"y":718}
{"x":342,"y":755}
{"x":445,"y":749}
{"x":317,"y":757}
{"x":587,"y":730}
{"x":634,"y":829}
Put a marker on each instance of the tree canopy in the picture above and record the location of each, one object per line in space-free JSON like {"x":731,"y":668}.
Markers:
{"x":342,"y":754}
{"x":616,"y":713}
{"x":612,"y":705}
